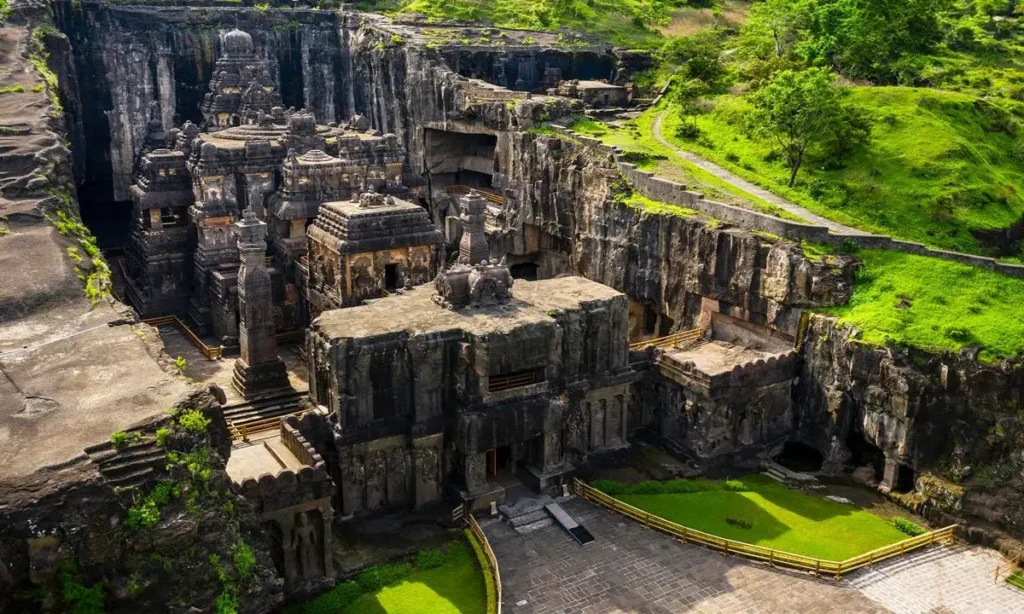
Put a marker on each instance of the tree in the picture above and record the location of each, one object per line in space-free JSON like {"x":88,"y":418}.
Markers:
{"x":797,"y":110}
{"x":699,"y":56}
{"x":686,"y":96}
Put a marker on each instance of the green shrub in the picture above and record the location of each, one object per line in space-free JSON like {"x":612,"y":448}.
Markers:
{"x":430,"y":558}
{"x":226,"y":603}
{"x":193,"y":421}
{"x":163,"y":435}
{"x":910,"y":528}
{"x":79,"y":598}
{"x":379,"y":576}
{"x":681,"y":487}
{"x":649,"y":487}
{"x":180,"y":363}
{"x":143,"y":515}
{"x":244,"y":560}
{"x":739,"y":522}
{"x":610,"y":487}
{"x":121,"y":439}
{"x":735,"y":486}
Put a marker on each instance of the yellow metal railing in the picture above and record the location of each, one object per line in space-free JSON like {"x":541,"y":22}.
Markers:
{"x":492,"y":560}
{"x":670,"y":341}
{"x":769,"y":555}
{"x":211,"y":352}
{"x":242,"y":432}
{"x":1009,"y":567}
{"x":465,"y":189}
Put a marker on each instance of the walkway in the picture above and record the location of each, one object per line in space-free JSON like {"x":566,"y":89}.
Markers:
{"x":957,"y":580}
{"x":742,"y":184}
{"x":629,"y":569}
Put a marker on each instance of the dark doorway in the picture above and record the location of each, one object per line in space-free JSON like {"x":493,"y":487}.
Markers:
{"x":800,"y":457}
{"x":391,"y":277}
{"x":863,"y":453}
{"x":905,"y":477}
{"x":650,"y":320}
{"x":525,"y":270}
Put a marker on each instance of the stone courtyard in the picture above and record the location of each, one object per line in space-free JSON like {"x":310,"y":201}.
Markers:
{"x":633,"y":570}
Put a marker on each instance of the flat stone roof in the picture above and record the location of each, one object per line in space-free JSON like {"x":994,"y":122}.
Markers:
{"x":352,"y":209}
{"x":415,"y":312}
{"x":268,"y":455}
{"x":719,"y":357}
{"x":598,"y":85}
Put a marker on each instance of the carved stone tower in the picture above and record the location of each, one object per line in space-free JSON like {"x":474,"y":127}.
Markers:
{"x":473,"y":247}
{"x":259,"y":370}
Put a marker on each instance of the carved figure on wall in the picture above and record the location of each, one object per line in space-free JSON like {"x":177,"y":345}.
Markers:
{"x":307,"y":544}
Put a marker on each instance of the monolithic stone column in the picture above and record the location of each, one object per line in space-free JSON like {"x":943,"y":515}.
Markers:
{"x":259,"y":370}
{"x":473,"y":246}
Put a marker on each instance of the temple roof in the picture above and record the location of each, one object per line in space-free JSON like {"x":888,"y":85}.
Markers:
{"x":376,"y":223}
{"x":414,"y":311}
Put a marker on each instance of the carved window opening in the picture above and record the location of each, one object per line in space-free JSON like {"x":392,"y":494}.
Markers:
{"x":525,"y":270}
{"x":516,"y":379}
{"x":391,"y":277}
{"x":171,"y":218}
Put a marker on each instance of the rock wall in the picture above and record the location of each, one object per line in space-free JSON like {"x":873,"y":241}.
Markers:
{"x":69,"y":526}
{"x":943,"y":414}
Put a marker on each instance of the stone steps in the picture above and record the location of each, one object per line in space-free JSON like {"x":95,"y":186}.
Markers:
{"x":527,"y":514}
{"x":132,"y":466}
{"x":241,"y":414}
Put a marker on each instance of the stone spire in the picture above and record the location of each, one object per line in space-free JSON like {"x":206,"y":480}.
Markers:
{"x":259,"y":370}
{"x":473,"y":248}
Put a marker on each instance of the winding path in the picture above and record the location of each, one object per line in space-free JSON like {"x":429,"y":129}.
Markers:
{"x":742,"y":184}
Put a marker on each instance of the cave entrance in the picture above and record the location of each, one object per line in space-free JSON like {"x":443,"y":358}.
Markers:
{"x":800,"y":457}
{"x":460,"y":159}
{"x":864,"y":453}
{"x":905,"y":478}
{"x":525,"y":270}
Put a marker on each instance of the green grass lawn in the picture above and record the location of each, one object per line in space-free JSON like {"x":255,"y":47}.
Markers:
{"x":935,"y":304}
{"x":939,"y":165}
{"x":456,"y":586}
{"x":622,"y":22}
{"x":635,"y":138}
{"x":780,"y":518}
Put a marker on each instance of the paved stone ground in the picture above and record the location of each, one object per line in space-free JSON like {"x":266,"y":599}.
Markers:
{"x":956,"y":580}
{"x":629,"y":569}
{"x":750,"y":188}
{"x":632,"y":570}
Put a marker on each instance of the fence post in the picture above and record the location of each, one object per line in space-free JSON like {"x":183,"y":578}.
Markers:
{"x":771,"y":558}
{"x":647,"y":521}
{"x":245,"y":433}
{"x":817,"y":569}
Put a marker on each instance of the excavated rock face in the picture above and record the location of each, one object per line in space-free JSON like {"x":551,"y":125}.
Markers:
{"x":943,"y":414}
{"x":566,"y":190}
{"x":73,"y":523}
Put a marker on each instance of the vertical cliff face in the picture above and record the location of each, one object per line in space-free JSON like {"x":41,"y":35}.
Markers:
{"x":672,"y":261}
{"x":943,"y":414}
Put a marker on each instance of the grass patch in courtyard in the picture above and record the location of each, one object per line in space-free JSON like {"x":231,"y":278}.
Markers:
{"x":759,"y":510}
{"x":442,"y":581}
{"x":939,"y":165}
{"x":935,"y":304}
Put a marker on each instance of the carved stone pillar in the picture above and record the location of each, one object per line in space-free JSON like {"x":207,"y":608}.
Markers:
{"x":259,"y":370}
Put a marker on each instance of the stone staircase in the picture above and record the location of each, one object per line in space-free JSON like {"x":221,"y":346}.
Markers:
{"x":789,"y":477}
{"x":132,"y":466}
{"x":261,"y":410}
{"x":528,"y":514}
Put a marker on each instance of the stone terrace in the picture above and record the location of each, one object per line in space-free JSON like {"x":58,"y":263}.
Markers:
{"x":629,"y":569}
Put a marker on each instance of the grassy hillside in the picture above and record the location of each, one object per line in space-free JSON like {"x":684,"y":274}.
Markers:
{"x":938,"y":166}
{"x":623,"y":22}
{"x":935,"y":304}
